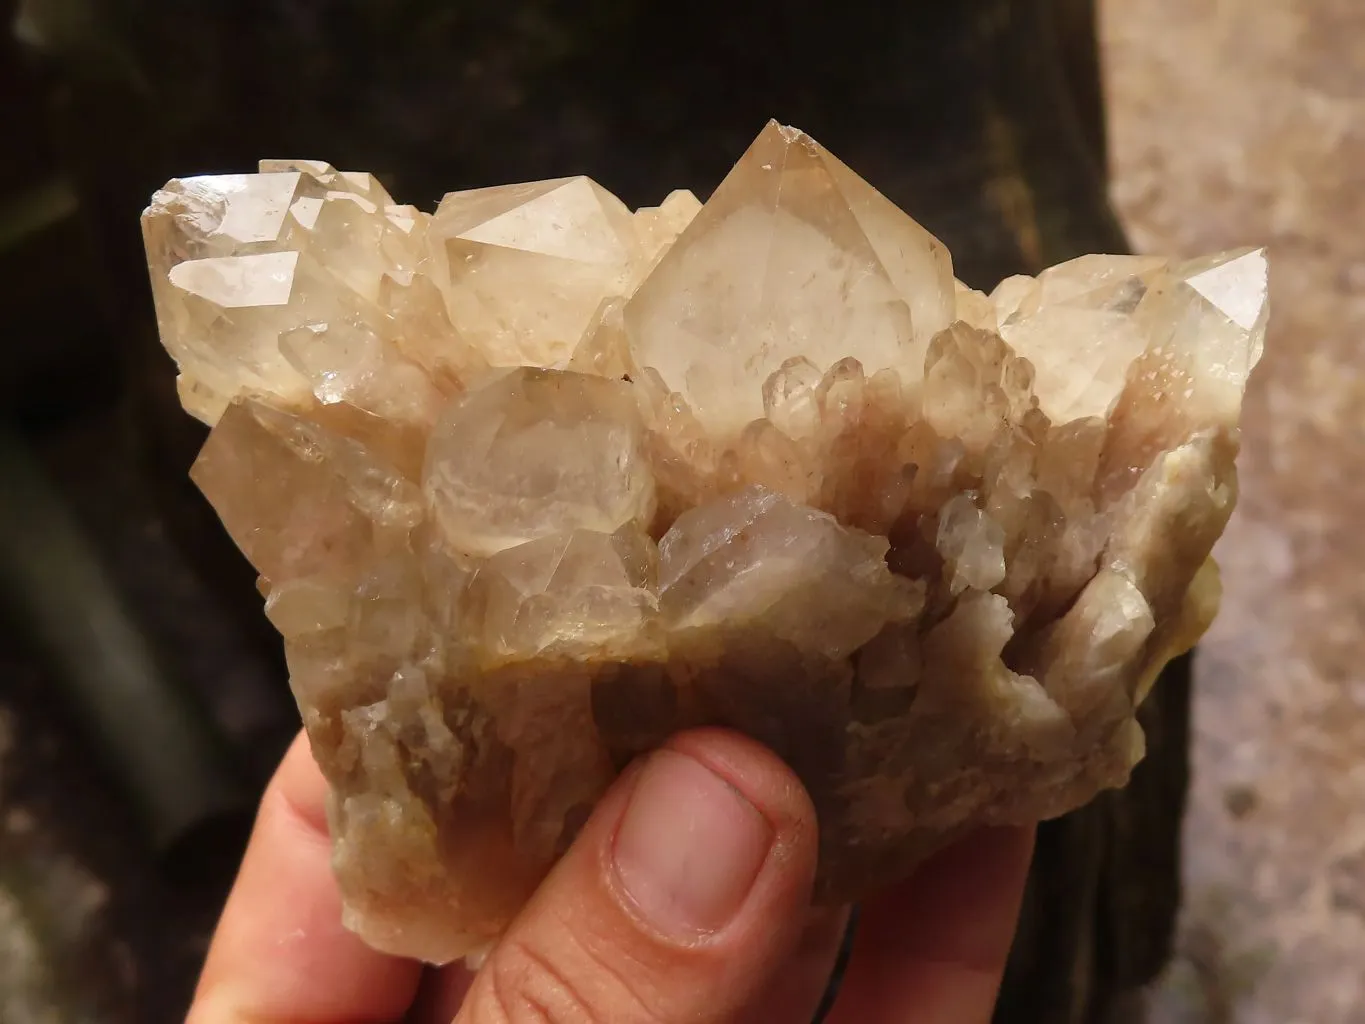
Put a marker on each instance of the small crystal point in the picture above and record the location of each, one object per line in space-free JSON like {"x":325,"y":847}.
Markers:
{"x":1076,"y":326}
{"x":1235,"y":283}
{"x":659,"y":226}
{"x":790,"y":397}
{"x":577,"y":593}
{"x":1224,"y":329}
{"x":220,"y":316}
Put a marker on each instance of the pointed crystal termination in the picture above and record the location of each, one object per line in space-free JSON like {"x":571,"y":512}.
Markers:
{"x":536,"y":481}
{"x":538,"y":452}
{"x":756,"y":554}
{"x":253,"y":273}
{"x":524,"y":267}
{"x":580,"y":591}
{"x":793,"y":256}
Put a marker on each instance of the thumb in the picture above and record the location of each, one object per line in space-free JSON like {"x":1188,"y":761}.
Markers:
{"x":679,"y":900}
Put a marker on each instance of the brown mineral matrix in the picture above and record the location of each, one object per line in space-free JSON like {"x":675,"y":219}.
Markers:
{"x":534,"y":481}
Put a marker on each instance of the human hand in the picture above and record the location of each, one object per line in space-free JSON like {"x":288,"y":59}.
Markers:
{"x":684,"y":899}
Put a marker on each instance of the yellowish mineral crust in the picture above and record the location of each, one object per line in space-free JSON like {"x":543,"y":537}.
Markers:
{"x":534,"y":481}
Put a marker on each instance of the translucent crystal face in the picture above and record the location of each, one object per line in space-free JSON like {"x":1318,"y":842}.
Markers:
{"x":537,"y":452}
{"x":568,"y":242}
{"x":535,"y":481}
{"x":793,"y":256}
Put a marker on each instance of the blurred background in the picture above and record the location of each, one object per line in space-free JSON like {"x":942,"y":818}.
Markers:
{"x":142,"y":693}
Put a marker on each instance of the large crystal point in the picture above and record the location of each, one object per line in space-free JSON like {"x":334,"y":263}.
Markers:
{"x":535,"y":482}
{"x":524,"y":267}
{"x":793,"y":256}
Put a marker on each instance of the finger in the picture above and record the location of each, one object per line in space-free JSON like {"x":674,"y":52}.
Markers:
{"x":678,"y":902}
{"x":280,"y":952}
{"x":795,"y":992}
{"x":933,"y":949}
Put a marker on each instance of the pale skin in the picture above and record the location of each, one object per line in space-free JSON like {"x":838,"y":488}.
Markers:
{"x":684,"y":899}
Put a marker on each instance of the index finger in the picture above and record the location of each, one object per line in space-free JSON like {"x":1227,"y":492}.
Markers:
{"x":280,"y":952}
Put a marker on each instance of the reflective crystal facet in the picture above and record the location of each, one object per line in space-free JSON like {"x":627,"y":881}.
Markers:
{"x":524,"y":267}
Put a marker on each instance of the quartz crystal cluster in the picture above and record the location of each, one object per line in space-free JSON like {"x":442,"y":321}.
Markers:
{"x":534,"y":481}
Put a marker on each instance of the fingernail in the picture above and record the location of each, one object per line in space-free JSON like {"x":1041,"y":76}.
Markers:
{"x":689,"y":846}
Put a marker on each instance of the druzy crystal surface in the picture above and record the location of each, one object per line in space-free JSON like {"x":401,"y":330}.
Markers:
{"x":534,"y":481}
